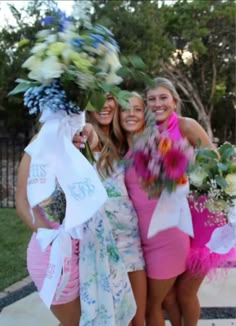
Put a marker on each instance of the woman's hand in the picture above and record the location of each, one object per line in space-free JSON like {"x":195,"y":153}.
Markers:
{"x":87,"y":134}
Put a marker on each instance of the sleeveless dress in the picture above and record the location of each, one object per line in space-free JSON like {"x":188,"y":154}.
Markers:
{"x":165,"y":254}
{"x":53,"y":211}
{"x":123,"y":220}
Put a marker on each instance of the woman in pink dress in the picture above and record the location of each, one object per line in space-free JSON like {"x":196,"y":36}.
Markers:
{"x":167,"y":252}
{"x":49,"y":214}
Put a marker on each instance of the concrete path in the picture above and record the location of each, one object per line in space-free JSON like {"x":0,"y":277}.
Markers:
{"x":218,"y":301}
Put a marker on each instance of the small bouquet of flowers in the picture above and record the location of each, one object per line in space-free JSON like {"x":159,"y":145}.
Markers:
{"x":160,"y":162}
{"x":214,"y":175}
{"x":161,"y":165}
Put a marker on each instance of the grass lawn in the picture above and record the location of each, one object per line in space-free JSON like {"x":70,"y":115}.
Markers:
{"x":14,"y":238}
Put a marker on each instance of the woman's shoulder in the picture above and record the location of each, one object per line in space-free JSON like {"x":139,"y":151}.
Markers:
{"x":193,"y":131}
{"x":187,"y":125}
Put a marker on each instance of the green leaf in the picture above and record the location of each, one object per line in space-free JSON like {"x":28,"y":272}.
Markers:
{"x":137,"y":62}
{"x":206,"y":152}
{"x":122,"y":98}
{"x":20,"y":88}
{"x":220,"y":181}
{"x":97,"y":100}
{"x":223,"y":166}
{"x":123,"y":72}
{"x":226,"y":150}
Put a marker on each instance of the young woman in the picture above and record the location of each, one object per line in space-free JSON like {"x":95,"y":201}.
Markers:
{"x":166,"y":253}
{"x":163,"y":100}
{"x":66,"y":306}
{"x":118,"y":207}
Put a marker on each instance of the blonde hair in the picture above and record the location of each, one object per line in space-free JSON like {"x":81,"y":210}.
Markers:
{"x":122,"y":145}
{"x":166,"y":83}
{"x":108,"y":145}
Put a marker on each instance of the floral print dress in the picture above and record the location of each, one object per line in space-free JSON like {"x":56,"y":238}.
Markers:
{"x":109,"y":249}
{"x":105,"y":292}
{"x":123,"y":220}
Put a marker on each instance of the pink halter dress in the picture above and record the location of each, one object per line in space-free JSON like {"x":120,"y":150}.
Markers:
{"x":165,"y":254}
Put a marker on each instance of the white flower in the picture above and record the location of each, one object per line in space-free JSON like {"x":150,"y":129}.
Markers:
{"x":218,"y":205}
{"x":46,"y":70}
{"x":39,"y":47}
{"x":113,"y":79}
{"x":43,"y":33}
{"x":56,"y":49}
{"x":197,"y":176}
{"x":231,"y":181}
{"x":51,"y":38}
{"x":32,"y":62}
{"x":113,"y":59}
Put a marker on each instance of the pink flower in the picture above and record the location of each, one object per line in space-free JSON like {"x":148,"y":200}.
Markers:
{"x":141,"y":164}
{"x":175,"y":163}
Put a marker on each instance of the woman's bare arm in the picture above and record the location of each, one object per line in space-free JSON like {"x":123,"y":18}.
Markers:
{"x":22,"y":204}
{"x":194,"y":132}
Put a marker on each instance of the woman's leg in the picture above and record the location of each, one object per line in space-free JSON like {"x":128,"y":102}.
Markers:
{"x":157,"y":291}
{"x":171,"y":307}
{"x":187,"y":287}
{"x":68,"y":313}
{"x":139,"y":286}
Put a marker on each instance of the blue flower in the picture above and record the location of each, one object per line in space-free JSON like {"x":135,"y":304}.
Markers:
{"x":77,"y":42}
{"x":97,"y":40}
{"x":47,"y":20}
{"x":52,"y":97}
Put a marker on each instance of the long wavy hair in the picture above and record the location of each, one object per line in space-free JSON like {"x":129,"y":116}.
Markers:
{"x":108,"y":144}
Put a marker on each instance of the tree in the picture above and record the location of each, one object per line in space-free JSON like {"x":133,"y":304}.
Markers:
{"x":207,"y":30}
{"x":27,"y":22}
{"x":163,"y":34}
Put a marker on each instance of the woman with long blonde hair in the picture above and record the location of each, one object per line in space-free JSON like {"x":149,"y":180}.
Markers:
{"x":119,"y":209}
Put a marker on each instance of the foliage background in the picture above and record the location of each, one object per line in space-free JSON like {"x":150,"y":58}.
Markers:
{"x":154,"y":30}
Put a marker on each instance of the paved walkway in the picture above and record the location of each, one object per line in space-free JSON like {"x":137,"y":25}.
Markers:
{"x":218,"y":300}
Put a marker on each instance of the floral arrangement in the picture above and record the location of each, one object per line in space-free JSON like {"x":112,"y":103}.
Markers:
{"x":71,"y":67}
{"x":159,"y":161}
{"x":214,"y":175}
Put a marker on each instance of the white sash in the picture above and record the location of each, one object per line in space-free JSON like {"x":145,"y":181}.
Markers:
{"x":53,"y":156}
{"x":223,"y":238}
{"x":59,"y":262}
{"x":172,"y":210}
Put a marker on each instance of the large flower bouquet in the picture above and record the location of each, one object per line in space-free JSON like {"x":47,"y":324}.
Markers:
{"x":73,"y":64}
{"x":160,"y":162}
{"x":214,"y":175}
{"x":71,"y":67}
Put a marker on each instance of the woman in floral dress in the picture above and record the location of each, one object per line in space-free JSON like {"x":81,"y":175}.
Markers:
{"x":118,"y":207}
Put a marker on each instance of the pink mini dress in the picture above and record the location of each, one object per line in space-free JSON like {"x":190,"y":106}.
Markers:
{"x":165,"y":254}
{"x":38,"y":261}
